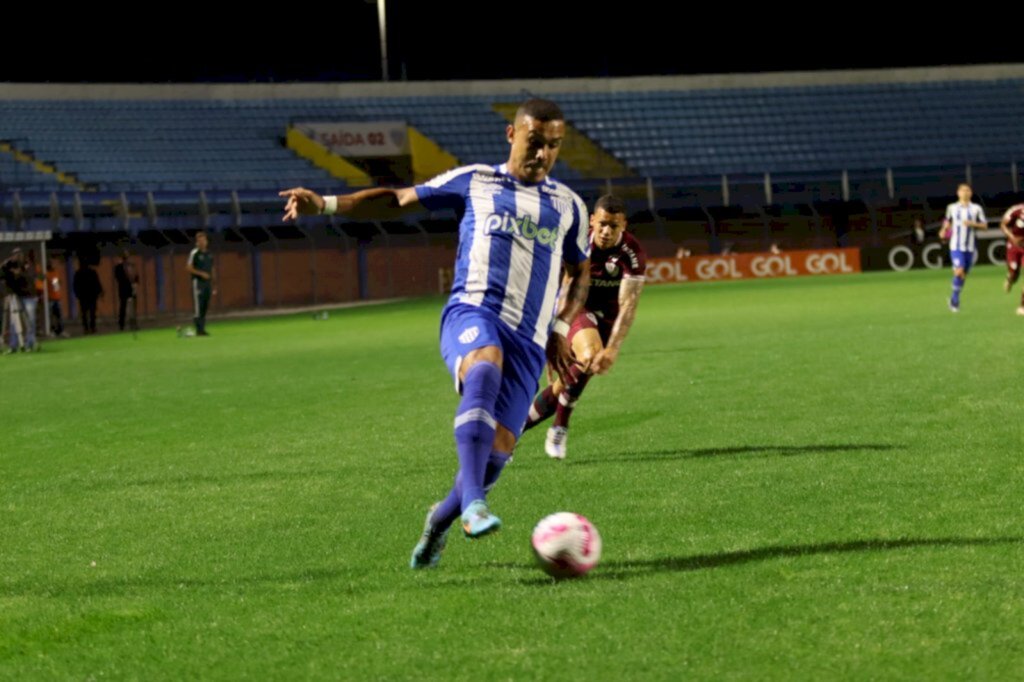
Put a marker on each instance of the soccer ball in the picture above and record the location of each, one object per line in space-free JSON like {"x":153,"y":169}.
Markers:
{"x":566,"y":545}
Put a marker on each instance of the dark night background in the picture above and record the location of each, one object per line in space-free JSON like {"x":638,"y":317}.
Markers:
{"x":480,"y":40}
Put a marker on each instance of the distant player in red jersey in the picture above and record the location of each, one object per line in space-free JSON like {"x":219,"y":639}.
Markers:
{"x":617,"y":267}
{"x":1013,"y":227}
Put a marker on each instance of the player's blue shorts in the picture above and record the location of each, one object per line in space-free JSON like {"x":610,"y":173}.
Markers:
{"x":962,"y":259}
{"x":465,"y":328}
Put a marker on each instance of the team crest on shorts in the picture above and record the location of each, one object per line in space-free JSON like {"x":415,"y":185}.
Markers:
{"x":469,"y":335}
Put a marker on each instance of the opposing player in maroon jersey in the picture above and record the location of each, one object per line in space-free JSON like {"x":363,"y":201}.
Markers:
{"x":1013,"y":227}
{"x":617,"y":266}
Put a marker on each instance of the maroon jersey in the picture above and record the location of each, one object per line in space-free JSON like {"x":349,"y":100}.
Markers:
{"x":1014,"y":218}
{"x":607,"y":269}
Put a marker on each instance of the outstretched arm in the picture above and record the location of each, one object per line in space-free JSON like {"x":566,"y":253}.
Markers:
{"x":577,"y":284}
{"x":379,"y":203}
{"x":629,"y":297}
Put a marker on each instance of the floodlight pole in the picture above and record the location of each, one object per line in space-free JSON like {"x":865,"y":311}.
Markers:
{"x":382,"y":23}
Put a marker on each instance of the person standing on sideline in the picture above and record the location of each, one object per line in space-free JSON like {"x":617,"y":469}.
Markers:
{"x":200,"y":266}
{"x":55,"y":291}
{"x":19,"y":288}
{"x":127,"y":282}
{"x":88,"y":290}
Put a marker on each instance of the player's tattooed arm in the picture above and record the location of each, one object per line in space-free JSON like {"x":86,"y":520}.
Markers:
{"x":629,"y":297}
{"x":576,"y":286}
{"x":378,"y":203}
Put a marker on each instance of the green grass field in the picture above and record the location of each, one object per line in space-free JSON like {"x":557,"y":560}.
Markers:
{"x":817,"y":478}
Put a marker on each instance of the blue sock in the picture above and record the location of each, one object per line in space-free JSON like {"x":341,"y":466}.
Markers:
{"x":451,"y":507}
{"x":958,"y":284}
{"x":495,"y":463}
{"x":475,"y":426}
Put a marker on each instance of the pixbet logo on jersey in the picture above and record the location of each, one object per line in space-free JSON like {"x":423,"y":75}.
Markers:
{"x":524,"y":227}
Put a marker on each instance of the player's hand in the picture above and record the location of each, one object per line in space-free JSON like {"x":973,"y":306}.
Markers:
{"x":301,"y":201}
{"x":560,"y":357}
{"x":603,"y":361}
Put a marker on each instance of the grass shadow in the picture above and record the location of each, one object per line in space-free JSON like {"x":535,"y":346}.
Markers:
{"x":754,"y":450}
{"x":621,"y":570}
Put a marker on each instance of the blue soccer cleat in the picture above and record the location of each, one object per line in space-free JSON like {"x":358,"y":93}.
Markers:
{"x":478,"y":521}
{"x":427,"y":553}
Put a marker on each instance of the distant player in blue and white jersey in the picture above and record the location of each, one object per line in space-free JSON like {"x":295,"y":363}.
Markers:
{"x":517,"y":229}
{"x":962,"y":219}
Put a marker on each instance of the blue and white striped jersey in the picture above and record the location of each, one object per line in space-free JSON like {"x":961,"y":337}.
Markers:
{"x":513,"y":238}
{"x":962,"y":237}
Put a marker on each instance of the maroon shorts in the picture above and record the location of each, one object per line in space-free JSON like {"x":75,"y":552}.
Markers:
{"x":1014,"y":257}
{"x":588,"y":320}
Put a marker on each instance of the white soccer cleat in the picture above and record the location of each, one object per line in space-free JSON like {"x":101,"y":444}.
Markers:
{"x":1020,"y":310}
{"x":554,"y":444}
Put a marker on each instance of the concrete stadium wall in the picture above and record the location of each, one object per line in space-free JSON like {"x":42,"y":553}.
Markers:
{"x":510,"y":88}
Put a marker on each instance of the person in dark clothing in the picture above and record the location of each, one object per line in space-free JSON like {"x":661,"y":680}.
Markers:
{"x":127,"y":284}
{"x":87,"y":290}
{"x":200,"y":266}
{"x":55,"y":291}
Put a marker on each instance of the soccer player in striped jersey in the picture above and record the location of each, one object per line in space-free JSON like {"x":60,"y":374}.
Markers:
{"x":1012,"y":226}
{"x":962,"y":219}
{"x":617,"y":267}
{"x":517,"y":229}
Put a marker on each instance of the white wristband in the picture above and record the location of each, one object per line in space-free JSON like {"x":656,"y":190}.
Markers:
{"x":330,"y":205}
{"x":561,"y":327}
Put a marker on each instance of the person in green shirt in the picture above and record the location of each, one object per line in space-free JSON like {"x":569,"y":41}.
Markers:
{"x":200,"y":266}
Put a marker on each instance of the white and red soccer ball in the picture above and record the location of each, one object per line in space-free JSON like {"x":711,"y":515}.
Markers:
{"x":567,"y":545}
